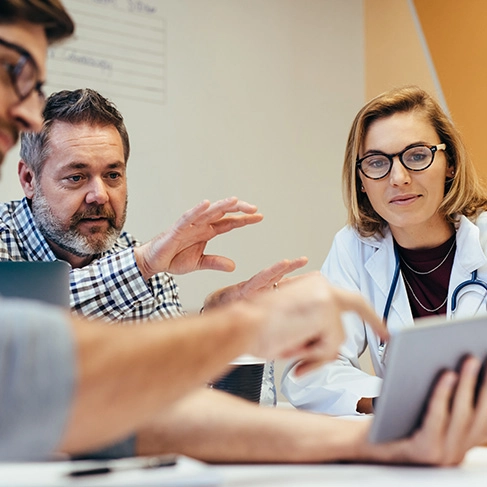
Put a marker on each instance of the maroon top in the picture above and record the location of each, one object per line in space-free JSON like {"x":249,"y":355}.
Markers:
{"x":428,"y":286}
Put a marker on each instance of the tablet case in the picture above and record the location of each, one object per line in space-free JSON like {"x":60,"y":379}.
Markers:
{"x":42,"y":281}
{"x":415,"y":358}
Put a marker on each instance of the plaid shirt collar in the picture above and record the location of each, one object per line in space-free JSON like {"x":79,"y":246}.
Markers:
{"x":34,"y":242}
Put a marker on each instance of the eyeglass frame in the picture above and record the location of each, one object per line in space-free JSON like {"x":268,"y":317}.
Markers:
{"x":432,"y":148}
{"x":14,"y":70}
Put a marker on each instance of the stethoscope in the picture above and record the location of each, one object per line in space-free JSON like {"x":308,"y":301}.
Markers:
{"x":474,"y":280}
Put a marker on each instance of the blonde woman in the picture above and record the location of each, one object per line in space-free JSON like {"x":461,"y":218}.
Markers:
{"x":415,"y":244}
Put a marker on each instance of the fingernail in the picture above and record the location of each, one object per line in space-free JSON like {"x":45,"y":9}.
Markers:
{"x":473,"y":366}
{"x":449,"y":379}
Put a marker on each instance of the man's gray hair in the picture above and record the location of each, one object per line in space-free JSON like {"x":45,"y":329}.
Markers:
{"x":72,"y":107}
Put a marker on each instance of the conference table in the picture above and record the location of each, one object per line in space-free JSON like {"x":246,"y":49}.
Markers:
{"x":472,"y":472}
{"x":190,"y":473}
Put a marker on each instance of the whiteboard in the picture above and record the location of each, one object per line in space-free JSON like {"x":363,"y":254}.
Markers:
{"x":119,"y":48}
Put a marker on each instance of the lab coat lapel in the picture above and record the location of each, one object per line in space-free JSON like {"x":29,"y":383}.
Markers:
{"x":381,"y":266}
{"x":469,"y":256}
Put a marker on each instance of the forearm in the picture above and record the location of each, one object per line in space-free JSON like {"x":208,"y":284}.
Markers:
{"x":127,"y":375}
{"x":216,"y":427}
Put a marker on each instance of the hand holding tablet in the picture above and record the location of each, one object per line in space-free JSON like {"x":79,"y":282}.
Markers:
{"x":415,"y":360}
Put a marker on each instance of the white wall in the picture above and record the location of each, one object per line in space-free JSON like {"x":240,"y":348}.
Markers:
{"x":260,"y":97}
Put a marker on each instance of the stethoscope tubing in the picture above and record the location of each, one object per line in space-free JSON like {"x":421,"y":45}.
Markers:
{"x":474,"y":280}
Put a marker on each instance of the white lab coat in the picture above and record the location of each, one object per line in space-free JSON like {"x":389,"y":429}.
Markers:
{"x":367,"y":265}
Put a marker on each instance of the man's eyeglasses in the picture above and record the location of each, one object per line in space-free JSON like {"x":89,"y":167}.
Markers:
{"x":414,"y":158}
{"x":23,"y":73}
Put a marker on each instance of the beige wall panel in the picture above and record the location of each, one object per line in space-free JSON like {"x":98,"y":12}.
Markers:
{"x":394,"y":55}
{"x":260,"y":96}
{"x":457,"y":40}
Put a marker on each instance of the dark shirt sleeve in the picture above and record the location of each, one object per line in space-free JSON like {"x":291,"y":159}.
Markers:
{"x":37,"y":377}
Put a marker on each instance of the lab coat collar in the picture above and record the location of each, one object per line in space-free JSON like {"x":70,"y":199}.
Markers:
{"x":471,"y":236}
{"x":381,"y":267}
{"x":470,"y":255}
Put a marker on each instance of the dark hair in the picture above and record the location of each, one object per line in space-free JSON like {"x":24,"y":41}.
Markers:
{"x":72,"y":107}
{"x":49,"y":13}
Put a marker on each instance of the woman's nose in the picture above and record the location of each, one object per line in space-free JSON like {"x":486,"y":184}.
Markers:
{"x":399,"y":174}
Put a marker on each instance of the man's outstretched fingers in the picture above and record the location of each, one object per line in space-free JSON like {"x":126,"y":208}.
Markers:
{"x":350,"y":301}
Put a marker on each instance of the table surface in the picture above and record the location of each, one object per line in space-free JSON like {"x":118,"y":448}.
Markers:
{"x":190,"y":473}
{"x":472,"y":472}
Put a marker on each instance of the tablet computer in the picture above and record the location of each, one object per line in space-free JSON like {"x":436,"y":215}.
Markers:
{"x":415,"y":358}
{"x":42,"y":281}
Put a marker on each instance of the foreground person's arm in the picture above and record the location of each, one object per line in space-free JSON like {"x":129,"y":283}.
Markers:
{"x":127,"y":375}
{"x":216,"y":427}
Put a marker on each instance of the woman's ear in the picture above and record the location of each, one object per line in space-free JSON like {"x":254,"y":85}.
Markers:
{"x":450,"y":172}
{"x":362,"y":188}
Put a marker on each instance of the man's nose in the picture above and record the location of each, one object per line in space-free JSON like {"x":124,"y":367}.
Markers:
{"x":97,"y":192}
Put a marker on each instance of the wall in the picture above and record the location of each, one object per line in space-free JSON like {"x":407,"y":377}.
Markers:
{"x":395,"y":54}
{"x":439,"y":45}
{"x":457,"y":38}
{"x":259,"y":98}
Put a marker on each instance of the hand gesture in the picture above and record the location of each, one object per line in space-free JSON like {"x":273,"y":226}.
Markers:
{"x":181,"y":249}
{"x":265,"y":279}
{"x":303,"y":321}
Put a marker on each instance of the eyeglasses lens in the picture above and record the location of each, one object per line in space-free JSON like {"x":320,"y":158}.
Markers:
{"x":376,"y":166}
{"x":417,"y":158}
{"x":21,"y":70}
{"x":25,"y":75}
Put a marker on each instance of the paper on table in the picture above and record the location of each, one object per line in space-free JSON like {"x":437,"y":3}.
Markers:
{"x":187,"y":472}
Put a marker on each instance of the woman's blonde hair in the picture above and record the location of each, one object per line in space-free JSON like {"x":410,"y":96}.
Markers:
{"x":464,"y":193}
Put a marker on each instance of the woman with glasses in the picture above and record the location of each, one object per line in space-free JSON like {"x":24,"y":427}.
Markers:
{"x":415,"y":244}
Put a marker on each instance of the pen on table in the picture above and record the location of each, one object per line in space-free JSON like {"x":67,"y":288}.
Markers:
{"x":124,"y":464}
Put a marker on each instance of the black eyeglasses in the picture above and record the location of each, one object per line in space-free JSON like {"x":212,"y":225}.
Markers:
{"x":23,"y":73}
{"x":415,"y":158}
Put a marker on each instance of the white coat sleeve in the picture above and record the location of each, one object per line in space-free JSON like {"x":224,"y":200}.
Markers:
{"x":336,"y":387}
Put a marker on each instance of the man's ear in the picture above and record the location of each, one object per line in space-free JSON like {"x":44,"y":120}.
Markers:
{"x":26,"y":178}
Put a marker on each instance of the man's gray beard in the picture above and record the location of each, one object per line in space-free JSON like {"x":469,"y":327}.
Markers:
{"x":68,"y":239}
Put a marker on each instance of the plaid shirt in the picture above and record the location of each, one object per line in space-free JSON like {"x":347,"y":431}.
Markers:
{"x":111,"y":287}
